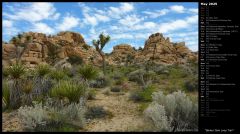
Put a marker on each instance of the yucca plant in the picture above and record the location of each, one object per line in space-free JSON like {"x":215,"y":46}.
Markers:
{"x":57,"y":75}
{"x":88,"y":72}
{"x":68,"y":89}
{"x":16,"y":71}
{"x":42,"y":70}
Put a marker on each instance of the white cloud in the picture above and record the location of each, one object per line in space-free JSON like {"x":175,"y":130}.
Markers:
{"x":34,"y":12}
{"x":102,"y":17}
{"x":88,"y":19}
{"x":42,"y":28}
{"x":7,"y":23}
{"x":68,"y":22}
{"x":126,"y":7}
{"x":193,"y":10}
{"x":156,"y":13}
{"x":8,"y":28}
{"x":122,"y":36}
{"x":177,"y":8}
{"x":116,"y":12}
{"x":178,"y":24}
{"x":130,"y":20}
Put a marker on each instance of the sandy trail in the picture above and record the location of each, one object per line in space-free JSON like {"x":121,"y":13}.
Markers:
{"x":126,"y":116}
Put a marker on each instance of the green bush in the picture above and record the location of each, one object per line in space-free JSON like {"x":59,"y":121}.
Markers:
{"x":16,"y":71}
{"x":100,"y":82}
{"x":88,"y":72}
{"x":42,"y":70}
{"x":143,"y":95}
{"x":71,"y":90}
{"x":58,"y":75}
{"x":120,"y":80}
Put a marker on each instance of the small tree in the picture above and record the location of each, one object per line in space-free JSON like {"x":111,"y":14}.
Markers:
{"x":99,"y":45}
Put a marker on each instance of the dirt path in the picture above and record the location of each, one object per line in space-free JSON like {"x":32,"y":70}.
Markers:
{"x":125,"y":113}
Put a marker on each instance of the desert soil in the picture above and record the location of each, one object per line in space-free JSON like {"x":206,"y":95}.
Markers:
{"x":126,"y":116}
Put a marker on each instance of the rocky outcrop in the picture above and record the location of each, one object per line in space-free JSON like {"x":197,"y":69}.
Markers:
{"x":157,"y":49}
{"x":120,"y":54}
{"x":37,"y":51}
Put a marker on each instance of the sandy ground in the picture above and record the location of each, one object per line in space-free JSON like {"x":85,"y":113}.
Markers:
{"x":11,"y":123}
{"x":126,"y":116}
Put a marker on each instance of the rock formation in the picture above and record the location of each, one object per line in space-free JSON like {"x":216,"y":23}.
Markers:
{"x":157,"y":49}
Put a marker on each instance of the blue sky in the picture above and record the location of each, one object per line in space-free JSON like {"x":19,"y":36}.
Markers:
{"x":130,"y":23}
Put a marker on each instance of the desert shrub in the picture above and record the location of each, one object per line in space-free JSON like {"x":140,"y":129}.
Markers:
{"x":16,"y":71}
{"x":177,"y":71}
{"x":50,"y":115}
{"x":136,"y":76}
{"x":157,"y":115}
{"x":6,"y":93}
{"x":31,"y":117}
{"x":143,"y":95}
{"x":142,"y":77}
{"x":116,"y":89}
{"x":91,"y":94}
{"x":75,"y":60}
{"x":58,"y":75}
{"x":191,"y":85}
{"x":70,"y":72}
{"x":69,"y":89}
{"x":120,"y":80}
{"x":181,"y":112}
{"x":88,"y":72}
{"x":96,"y":112}
{"x":42,"y":70}
{"x":161,"y":69}
{"x":100,"y":82}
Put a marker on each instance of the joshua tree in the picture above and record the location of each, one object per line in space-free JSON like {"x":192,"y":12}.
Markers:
{"x":99,"y":44}
{"x":17,"y":42}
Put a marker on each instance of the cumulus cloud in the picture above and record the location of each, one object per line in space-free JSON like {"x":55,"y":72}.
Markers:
{"x":68,"y":23}
{"x":116,"y":12}
{"x":34,"y":12}
{"x":130,"y":20}
{"x":8,"y":28}
{"x":157,"y":13}
{"x":7,"y":23}
{"x":177,"y":8}
{"x":42,"y":28}
{"x":178,"y":24}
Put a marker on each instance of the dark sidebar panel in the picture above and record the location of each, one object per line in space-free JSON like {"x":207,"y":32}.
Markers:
{"x":219,"y":47}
